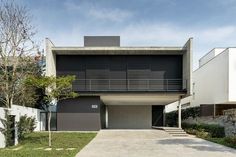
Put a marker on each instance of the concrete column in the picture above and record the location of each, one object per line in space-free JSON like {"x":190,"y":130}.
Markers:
{"x":214,"y":114}
{"x":50,"y":58}
{"x":179,"y":114}
{"x":164,"y":117}
{"x":187,"y":67}
{"x":106,"y":118}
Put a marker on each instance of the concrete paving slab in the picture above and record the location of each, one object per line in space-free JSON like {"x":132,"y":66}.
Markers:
{"x":150,"y":143}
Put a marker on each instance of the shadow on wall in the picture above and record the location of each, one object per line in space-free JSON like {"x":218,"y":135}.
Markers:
{"x":197,"y":144}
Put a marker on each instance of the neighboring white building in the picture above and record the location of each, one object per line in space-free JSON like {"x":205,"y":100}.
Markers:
{"x":214,"y":83}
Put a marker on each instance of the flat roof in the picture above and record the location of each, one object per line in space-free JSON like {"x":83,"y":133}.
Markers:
{"x":117,"y":50}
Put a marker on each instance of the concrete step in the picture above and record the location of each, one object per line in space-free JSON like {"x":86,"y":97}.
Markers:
{"x":176,"y":132}
{"x":179,"y":135}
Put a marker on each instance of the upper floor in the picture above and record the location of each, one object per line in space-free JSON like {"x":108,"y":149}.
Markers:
{"x":103,"y":66}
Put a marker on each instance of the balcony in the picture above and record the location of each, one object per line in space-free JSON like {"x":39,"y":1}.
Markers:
{"x":129,"y":85}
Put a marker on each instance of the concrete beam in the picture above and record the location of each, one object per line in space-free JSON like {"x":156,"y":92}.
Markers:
{"x":118,"y":50}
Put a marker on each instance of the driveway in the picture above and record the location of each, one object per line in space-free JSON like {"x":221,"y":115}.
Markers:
{"x":150,"y":143}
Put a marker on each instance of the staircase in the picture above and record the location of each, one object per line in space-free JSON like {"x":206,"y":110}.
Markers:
{"x":173,"y":131}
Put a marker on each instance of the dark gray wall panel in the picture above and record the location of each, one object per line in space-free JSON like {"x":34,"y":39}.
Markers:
{"x":120,"y":67}
{"x":103,"y":115}
{"x":79,"y":105}
{"x":78,"y":122}
{"x":133,"y":67}
{"x":79,"y":114}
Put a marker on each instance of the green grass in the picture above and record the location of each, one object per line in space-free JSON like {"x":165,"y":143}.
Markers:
{"x":226,"y":141}
{"x":34,"y":144}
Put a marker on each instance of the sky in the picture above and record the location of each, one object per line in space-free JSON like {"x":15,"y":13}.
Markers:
{"x":211,"y":23}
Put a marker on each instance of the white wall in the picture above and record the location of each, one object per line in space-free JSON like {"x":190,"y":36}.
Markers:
{"x":206,"y":58}
{"x":232,"y":75}
{"x":20,"y":111}
{"x":214,"y":82}
{"x":174,"y":106}
{"x":210,"y":81}
{"x":2,"y":139}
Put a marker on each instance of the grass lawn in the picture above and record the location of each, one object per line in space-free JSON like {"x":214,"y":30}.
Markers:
{"x":34,"y":145}
{"x":226,"y":141}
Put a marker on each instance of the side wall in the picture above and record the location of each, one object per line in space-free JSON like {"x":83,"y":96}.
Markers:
{"x":187,"y":66}
{"x":50,"y":59}
{"x":211,"y":81}
{"x":232,"y":75}
{"x":19,"y":111}
{"x":79,"y":114}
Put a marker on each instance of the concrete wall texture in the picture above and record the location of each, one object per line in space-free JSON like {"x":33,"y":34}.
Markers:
{"x":101,"y":41}
{"x":129,"y":117}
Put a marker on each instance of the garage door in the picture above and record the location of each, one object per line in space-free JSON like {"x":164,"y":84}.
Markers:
{"x":129,"y":117}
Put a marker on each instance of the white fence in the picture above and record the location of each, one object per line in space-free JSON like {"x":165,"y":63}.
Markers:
{"x":19,"y":111}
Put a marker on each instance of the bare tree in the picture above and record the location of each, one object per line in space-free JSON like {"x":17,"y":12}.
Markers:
{"x":16,"y":48}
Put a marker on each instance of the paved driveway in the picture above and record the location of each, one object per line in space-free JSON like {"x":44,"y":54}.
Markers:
{"x":151,"y":143}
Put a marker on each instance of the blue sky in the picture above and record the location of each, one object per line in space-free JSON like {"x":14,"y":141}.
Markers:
{"x":211,"y":23}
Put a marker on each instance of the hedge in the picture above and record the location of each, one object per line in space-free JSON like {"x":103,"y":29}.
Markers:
{"x":214,"y":130}
{"x":172,"y":117}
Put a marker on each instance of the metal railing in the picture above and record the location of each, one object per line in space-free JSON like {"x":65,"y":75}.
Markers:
{"x":129,"y":85}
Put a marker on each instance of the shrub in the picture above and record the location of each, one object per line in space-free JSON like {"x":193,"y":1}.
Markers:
{"x":7,"y":129}
{"x":191,"y":131}
{"x":231,"y":140}
{"x":203,"y":134}
{"x":212,"y":129}
{"x":190,"y":112}
{"x":25,"y":125}
{"x":172,"y":117}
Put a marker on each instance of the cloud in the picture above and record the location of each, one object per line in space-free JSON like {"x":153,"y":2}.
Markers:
{"x":91,"y":10}
{"x":166,"y":34}
{"x":116,"y":15}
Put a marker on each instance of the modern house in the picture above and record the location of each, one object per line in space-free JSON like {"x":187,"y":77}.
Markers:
{"x":119,"y":87}
{"x":217,"y":71}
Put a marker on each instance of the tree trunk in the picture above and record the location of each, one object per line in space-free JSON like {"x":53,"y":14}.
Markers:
{"x":49,"y":130}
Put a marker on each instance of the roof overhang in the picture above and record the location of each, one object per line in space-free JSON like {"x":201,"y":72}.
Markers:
{"x":142,"y":98}
{"x":137,"y":99}
{"x":118,"y":50}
